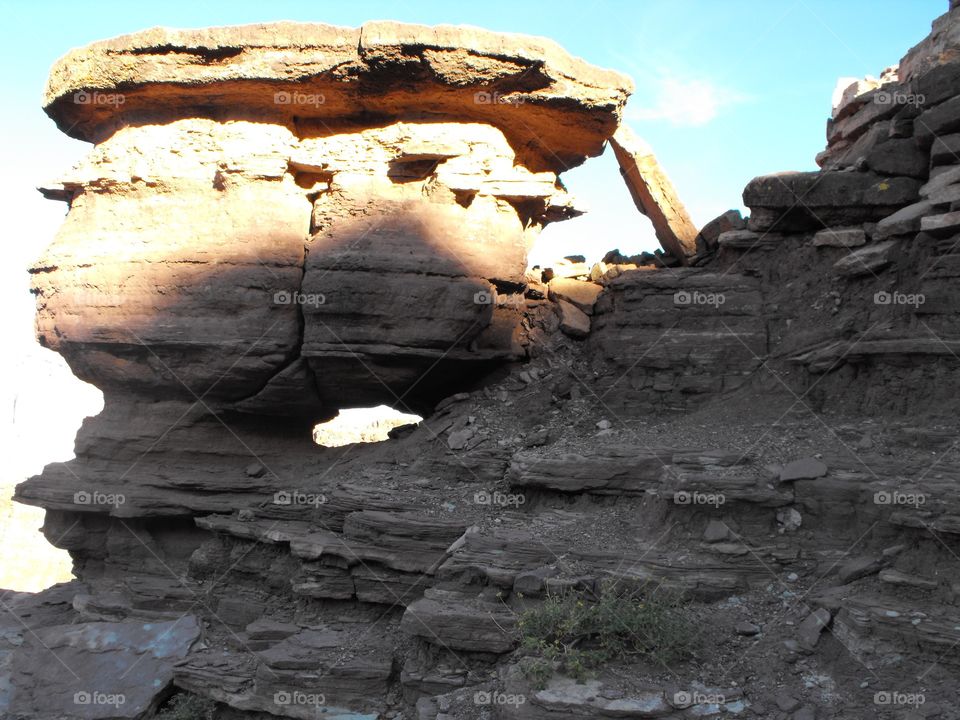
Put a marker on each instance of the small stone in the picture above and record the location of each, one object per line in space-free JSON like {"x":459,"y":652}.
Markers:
{"x":581,"y":294}
{"x":786,"y":702}
{"x":792,"y":645}
{"x":941,"y":225}
{"x":905,"y":221}
{"x":805,"y":713}
{"x":858,"y":568}
{"x":747,"y":629}
{"x":868,"y":259}
{"x":537,"y":437}
{"x":789,"y":519}
{"x":458,"y":439}
{"x":255,"y":470}
{"x":573,"y":322}
{"x":792,"y":577}
{"x":803,"y":469}
{"x":840,"y":238}
{"x":716,"y":531}
{"x":604,"y":425}
{"x":940,"y":180}
{"x":809,"y":631}
{"x":895,"y":577}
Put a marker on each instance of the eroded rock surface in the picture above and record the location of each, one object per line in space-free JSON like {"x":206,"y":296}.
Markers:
{"x":767,"y":433}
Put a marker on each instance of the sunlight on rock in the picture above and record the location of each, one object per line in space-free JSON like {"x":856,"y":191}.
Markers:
{"x":361,"y":425}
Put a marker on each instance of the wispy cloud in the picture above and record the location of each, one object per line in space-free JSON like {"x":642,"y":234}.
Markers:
{"x":682,"y":101}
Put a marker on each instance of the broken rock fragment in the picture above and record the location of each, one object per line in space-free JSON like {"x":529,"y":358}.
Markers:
{"x":653,"y":194}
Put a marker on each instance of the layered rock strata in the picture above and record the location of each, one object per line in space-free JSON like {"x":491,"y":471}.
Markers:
{"x":757,"y":433}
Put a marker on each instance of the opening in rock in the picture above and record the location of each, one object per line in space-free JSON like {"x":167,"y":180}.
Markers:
{"x":611,"y":221}
{"x":361,"y":425}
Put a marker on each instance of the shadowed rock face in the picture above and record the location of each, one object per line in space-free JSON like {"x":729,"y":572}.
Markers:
{"x":270,"y":213}
{"x":237,"y":262}
{"x":228,"y":273}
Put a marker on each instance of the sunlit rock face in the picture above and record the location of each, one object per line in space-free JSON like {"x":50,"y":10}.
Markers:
{"x":278,"y":221}
{"x":274,"y":214}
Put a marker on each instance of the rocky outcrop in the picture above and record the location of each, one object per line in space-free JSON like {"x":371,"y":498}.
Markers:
{"x":315,"y":75}
{"x":653,"y":194}
{"x":754,"y":433}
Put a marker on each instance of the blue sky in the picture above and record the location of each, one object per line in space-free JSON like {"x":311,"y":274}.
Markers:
{"x":726,"y":89}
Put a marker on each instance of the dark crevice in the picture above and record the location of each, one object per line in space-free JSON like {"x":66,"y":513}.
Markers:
{"x":204,"y":53}
{"x":301,"y":319}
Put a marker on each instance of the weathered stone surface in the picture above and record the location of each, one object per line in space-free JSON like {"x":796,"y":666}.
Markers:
{"x":653,"y":193}
{"x":857,"y":568}
{"x":389,"y":576}
{"x":323,"y":73}
{"x":940,"y":47}
{"x":582,"y":295}
{"x":840,"y":237}
{"x":808,"y":633}
{"x":905,"y":221}
{"x":866,"y":260}
{"x":939,"y":180}
{"x":802,"y":469}
{"x":460,"y":623}
{"x":96,"y":670}
{"x":573,"y":321}
{"x":895,"y":577}
{"x":677,"y":336}
{"x":607,"y":470}
{"x":899,"y":157}
{"x":945,"y":197}
{"x":945,"y":150}
{"x":748,"y":240}
{"x":941,"y":225}
{"x":799,"y":201}
{"x":709,"y":235}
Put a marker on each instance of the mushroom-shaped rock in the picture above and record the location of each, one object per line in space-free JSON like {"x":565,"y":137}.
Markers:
{"x":275,"y":213}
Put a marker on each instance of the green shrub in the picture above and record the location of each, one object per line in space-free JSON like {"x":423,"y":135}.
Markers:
{"x":186,"y":706}
{"x":576,"y":634}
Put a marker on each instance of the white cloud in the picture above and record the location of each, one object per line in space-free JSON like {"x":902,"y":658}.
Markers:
{"x":688,"y":102}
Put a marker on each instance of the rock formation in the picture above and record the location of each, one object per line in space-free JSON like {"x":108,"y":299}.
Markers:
{"x":280,"y":221}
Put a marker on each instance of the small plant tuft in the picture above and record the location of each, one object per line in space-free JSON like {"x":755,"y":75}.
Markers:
{"x":576,"y":634}
{"x":186,"y":706}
